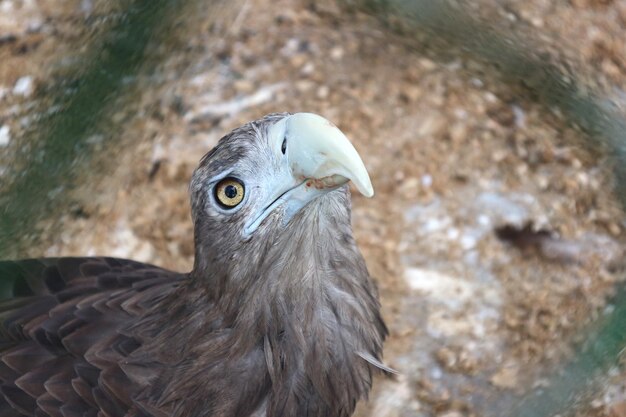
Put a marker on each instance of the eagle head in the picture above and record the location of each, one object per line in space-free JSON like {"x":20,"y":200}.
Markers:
{"x":262,"y":177}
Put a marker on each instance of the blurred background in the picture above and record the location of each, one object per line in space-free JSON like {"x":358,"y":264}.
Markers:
{"x":494,"y":132}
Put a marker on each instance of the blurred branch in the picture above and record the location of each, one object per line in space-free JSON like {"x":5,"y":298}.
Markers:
{"x":546,"y":79}
{"x":604,"y":344}
{"x":62,"y":137}
{"x":550,"y":81}
{"x":79,"y":112}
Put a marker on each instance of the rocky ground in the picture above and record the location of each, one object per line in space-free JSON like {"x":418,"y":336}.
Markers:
{"x":493,"y":236}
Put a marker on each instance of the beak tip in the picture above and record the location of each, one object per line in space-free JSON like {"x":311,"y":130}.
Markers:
{"x":368,"y":191}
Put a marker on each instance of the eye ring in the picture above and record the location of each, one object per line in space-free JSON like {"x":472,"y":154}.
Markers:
{"x":229,"y":192}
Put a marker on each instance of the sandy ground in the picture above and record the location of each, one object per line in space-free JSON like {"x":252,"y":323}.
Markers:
{"x":493,"y":237}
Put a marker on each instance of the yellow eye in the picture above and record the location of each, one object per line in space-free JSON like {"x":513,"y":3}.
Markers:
{"x":229,"y":192}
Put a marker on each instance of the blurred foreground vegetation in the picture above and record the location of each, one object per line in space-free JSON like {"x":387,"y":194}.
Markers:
{"x":129,"y":42}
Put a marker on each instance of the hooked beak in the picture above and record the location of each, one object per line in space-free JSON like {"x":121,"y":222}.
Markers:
{"x":318,"y":158}
{"x":319,"y":151}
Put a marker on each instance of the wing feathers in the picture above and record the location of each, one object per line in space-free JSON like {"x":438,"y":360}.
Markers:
{"x":31,"y":384}
{"x":50,"y":405}
{"x":62,"y":339}
{"x":53,"y":280}
{"x":18,"y":399}
{"x":83,"y":390}
{"x":58,"y":387}
{"x":22,"y":358}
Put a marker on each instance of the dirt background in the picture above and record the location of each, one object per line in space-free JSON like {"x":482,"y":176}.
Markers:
{"x":493,"y":234}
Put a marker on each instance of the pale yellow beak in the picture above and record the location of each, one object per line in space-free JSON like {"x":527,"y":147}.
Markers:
{"x":315,"y":157}
{"x":319,"y":150}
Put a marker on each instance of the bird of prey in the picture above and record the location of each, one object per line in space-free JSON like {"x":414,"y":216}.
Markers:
{"x":278,"y":318}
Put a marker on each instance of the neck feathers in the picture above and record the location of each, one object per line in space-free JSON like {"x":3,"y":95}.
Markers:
{"x":316,"y":309}
{"x":306,"y":299}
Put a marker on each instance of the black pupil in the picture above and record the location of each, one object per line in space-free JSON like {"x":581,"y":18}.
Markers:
{"x":283,"y":147}
{"x":230,"y":191}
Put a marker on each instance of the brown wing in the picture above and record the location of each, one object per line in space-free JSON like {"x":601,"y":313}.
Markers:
{"x":64,"y":333}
